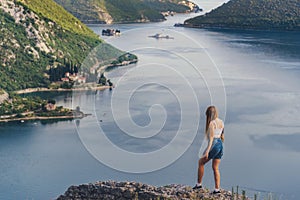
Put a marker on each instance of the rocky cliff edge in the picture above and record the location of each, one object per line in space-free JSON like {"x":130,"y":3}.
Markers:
{"x":109,"y":190}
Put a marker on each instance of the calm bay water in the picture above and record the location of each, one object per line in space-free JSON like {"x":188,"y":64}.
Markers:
{"x":252,"y":76}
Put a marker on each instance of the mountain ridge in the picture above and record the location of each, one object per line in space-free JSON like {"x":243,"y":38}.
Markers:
{"x":123,"y":11}
{"x":251,"y":14}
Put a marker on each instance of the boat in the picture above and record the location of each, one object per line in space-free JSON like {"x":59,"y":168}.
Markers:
{"x":160,"y":36}
{"x":111,"y":32}
{"x":179,"y":25}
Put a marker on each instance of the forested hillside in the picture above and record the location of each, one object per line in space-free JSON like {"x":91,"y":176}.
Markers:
{"x":118,"y":11}
{"x":252,"y":14}
{"x":39,"y":40}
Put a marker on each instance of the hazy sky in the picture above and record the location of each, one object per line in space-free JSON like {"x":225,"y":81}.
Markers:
{"x":207,"y":5}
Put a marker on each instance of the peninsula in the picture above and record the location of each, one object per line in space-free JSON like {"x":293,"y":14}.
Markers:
{"x":21,"y":109}
{"x":254,"y":14}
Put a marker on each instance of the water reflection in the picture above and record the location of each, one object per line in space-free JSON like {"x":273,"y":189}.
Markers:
{"x":277,"y":43}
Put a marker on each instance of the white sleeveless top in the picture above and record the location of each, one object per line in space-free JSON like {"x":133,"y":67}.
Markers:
{"x":218,"y":131}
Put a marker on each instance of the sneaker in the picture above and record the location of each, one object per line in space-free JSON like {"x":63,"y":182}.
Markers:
{"x":216,"y":192}
{"x":197,"y":187}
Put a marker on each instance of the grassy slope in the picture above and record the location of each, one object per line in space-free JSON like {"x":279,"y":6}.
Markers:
{"x":69,"y":38}
{"x":256,"y":14}
{"x":51,"y":10}
{"x":85,"y":10}
{"x":23,"y":72}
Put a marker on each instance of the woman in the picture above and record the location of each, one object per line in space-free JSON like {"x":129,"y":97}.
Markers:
{"x":214,"y":132}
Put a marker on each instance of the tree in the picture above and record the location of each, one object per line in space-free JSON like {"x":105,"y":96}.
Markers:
{"x":52,"y":101}
{"x":102,"y":79}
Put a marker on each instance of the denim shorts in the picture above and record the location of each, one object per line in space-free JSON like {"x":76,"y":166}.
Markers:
{"x":216,"y":151}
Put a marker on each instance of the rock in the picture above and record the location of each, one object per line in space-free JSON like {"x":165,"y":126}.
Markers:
{"x":110,"y":190}
{"x":3,"y":96}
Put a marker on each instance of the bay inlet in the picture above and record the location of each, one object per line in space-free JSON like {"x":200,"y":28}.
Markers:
{"x":252,"y":76}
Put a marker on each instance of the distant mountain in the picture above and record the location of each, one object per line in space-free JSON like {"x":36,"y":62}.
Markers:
{"x":121,"y":11}
{"x":252,"y":14}
{"x":39,"y":40}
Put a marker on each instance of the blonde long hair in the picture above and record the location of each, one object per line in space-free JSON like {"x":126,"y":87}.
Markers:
{"x":211,"y":114}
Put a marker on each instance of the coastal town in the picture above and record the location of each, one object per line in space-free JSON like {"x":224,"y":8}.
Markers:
{"x":13,"y":107}
{"x":16,"y":108}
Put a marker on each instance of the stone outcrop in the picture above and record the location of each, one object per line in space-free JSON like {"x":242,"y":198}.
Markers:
{"x":3,"y":96}
{"x":37,"y":30}
{"x":109,"y":190}
{"x":104,"y":15}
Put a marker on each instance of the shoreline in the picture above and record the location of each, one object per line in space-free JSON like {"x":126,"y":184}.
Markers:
{"x":250,"y":28}
{"x":33,"y":90}
{"x":23,"y":119}
{"x":85,"y":87}
{"x":103,"y":68}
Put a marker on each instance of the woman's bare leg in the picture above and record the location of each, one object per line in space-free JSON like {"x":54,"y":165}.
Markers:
{"x":215,"y":166}
{"x":201,"y":164}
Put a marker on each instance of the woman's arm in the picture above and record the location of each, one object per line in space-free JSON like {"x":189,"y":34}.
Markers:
{"x":210,"y":139}
{"x":222,"y":136}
